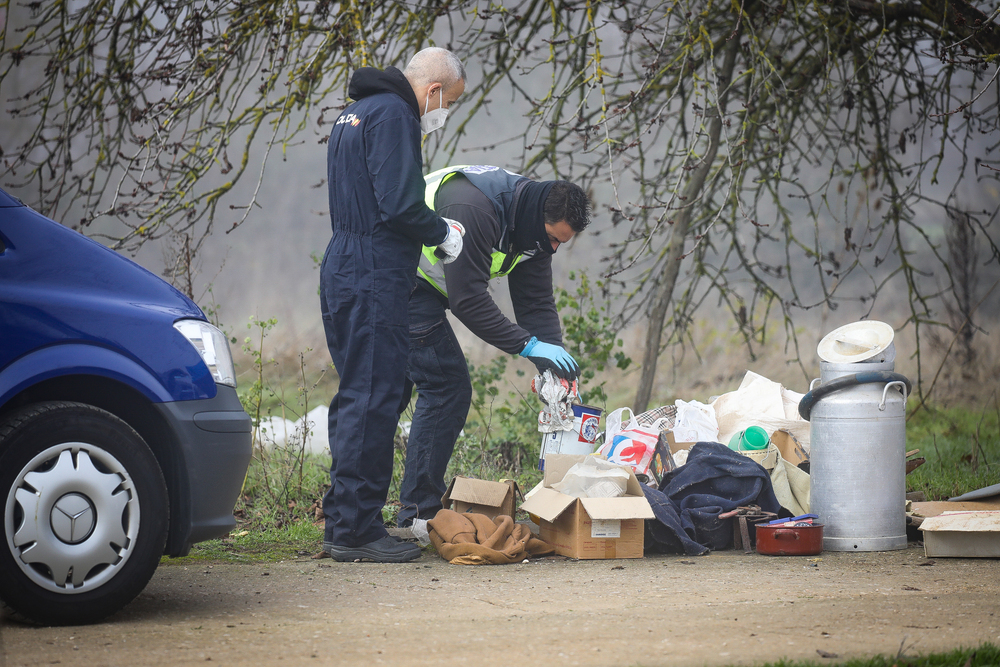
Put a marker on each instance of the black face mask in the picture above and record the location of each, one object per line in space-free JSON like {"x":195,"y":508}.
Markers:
{"x":529,"y":218}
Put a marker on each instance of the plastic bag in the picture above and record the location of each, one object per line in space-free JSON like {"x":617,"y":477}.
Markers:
{"x":695,"y":422}
{"x":616,"y":422}
{"x":593,"y":478}
{"x":420,"y":532}
{"x":557,"y":396}
{"x":629,"y":443}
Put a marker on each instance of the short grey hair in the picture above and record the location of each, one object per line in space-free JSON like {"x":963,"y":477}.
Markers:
{"x":434,"y":65}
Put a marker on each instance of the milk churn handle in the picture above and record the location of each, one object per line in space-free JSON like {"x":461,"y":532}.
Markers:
{"x":903,"y":387}
{"x":867,"y":377}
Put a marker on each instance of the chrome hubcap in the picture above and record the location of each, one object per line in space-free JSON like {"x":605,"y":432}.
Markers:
{"x":72,"y":517}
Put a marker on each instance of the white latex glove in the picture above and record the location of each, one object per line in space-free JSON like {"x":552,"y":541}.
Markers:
{"x":451,"y":247}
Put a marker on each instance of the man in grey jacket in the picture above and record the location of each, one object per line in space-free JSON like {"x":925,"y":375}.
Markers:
{"x":513,"y":227}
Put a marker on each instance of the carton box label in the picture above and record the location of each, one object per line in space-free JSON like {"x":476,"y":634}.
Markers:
{"x":606,"y":528}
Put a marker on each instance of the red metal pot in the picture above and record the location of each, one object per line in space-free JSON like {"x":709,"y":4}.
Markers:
{"x":790,"y":541}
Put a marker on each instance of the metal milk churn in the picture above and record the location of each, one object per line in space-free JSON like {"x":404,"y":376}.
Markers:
{"x":857,"y":415}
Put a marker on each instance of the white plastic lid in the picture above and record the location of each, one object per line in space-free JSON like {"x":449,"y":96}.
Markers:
{"x":855,"y":342}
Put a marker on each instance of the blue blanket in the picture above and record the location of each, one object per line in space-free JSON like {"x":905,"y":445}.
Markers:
{"x":690,"y":499}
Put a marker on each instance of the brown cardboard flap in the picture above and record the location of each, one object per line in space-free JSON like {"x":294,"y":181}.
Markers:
{"x":547,"y":503}
{"x":557,"y":465}
{"x":479,"y":491}
{"x":789,"y":446}
{"x":625,"y":507}
{"x":676,"y":446}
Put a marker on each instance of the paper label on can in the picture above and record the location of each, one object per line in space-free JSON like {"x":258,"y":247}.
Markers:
{"x":588,"y":428}
{"x":611,"y":528}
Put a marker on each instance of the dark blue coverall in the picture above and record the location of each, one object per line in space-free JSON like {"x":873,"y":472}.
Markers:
{"x":380,"y":222}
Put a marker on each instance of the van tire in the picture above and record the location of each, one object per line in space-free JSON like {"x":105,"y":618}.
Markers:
{"x":100,"y":509}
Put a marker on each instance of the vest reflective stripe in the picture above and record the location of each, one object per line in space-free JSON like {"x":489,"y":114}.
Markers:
{"x":430,"y":267}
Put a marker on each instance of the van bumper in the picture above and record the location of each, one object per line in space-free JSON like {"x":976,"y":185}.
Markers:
{"x":214,"y":444}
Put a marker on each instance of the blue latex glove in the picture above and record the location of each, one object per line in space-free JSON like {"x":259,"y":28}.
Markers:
{"x":548,"y":356}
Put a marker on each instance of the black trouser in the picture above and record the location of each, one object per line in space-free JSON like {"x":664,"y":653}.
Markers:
{"x":436,"y":367}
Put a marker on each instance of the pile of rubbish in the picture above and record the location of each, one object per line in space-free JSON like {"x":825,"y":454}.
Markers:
{"x":687,"y":476}
{"x":758,"y":468}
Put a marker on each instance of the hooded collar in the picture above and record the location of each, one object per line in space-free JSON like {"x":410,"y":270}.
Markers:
{"x":530,"y":234}
{"x":368,"y":81}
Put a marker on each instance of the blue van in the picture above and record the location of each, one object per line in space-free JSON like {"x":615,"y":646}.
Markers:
{"x":121,"y":434}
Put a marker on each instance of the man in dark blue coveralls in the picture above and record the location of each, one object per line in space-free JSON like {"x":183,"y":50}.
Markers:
{"x":513,"y":227}
{"x":380,"y":222}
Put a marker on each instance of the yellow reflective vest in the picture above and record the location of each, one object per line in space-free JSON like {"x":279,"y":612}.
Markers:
{"x":430,"y":267}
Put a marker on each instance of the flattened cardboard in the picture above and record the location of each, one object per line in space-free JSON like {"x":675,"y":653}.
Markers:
{"x":587,"y":528}
{"x":962,"y":535}
{"x":466,"y":494}
{"x":935,"y":507}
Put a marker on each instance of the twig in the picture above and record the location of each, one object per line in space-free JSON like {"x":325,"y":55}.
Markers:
{"x":925,"y":396}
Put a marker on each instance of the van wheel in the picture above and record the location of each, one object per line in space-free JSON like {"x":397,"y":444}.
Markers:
{"x":85,"y":512}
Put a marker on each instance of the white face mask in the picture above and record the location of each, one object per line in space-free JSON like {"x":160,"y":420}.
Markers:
{"x":433,"y":120}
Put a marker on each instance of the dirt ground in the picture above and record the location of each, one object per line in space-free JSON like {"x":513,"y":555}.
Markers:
{"x":723,"y":609}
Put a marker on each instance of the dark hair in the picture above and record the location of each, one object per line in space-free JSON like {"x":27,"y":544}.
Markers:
{"x":567,"y":201}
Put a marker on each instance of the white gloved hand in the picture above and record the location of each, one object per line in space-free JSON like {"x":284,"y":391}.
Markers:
{"x":451,"y":247}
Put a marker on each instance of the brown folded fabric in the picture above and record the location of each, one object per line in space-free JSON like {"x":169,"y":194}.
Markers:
{"x":476,"y":539}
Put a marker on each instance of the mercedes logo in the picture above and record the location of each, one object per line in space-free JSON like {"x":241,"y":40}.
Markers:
{"x":73,"y":518}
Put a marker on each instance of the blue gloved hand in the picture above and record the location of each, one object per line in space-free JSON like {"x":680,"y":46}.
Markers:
{"x":548,"y":356}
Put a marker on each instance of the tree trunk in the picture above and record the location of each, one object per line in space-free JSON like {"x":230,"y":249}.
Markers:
{"x":675,"y":248}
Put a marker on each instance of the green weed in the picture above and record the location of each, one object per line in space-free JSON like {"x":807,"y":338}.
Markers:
{"x":985,"y":655}
{"x":502,"y":438}
{"x":260,"y":544}
{"x":962,"y":449}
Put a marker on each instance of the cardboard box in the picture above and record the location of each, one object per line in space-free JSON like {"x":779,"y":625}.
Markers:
{"x":466,"y":494}
{"x":587,"y":528}
{"x":676,"y":446}
{"x":962,"y":535}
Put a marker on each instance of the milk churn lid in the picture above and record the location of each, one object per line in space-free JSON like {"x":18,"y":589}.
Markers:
{"x":855,"y":342}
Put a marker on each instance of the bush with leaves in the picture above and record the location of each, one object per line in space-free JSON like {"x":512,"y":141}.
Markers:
{"x":501,"y":433}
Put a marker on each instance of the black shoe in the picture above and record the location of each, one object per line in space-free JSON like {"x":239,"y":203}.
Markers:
{"x":402,"y":534}
{"x":382,"y":550}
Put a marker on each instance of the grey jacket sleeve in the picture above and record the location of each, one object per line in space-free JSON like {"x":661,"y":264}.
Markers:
{"x":530,"y":285}
{"x":468,"y":277}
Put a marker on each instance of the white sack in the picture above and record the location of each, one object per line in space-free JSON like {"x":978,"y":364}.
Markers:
{"x":760,"y":402}
{"x":696,"y":422}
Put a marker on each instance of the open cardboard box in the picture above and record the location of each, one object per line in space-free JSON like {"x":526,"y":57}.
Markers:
{"x":466,"y":494}
{"x":588,"y":528}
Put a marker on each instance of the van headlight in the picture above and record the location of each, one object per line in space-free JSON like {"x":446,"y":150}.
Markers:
{"x":213,"y":348}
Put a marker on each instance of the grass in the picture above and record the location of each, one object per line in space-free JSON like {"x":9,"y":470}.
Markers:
{"x":985,"y":655}
{"x":265,"y":544}
{"x":277,"y":513}
{"x":962,"y":448}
